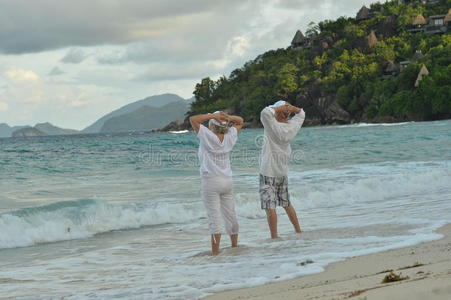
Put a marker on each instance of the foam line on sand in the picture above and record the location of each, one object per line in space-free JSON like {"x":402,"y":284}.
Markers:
{"x":427,"y":266}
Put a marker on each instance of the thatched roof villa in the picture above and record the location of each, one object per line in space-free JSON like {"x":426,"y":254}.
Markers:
{"x":300,"y":41}
{"x":363,"y":14}
{"x":423,"y":72}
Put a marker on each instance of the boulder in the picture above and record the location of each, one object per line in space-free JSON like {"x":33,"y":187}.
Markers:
{"x":177,"y":125}
{"x":388,"y":27}
{"x":321,"y":109}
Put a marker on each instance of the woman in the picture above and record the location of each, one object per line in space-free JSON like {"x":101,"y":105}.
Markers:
{"x":216,"y":142}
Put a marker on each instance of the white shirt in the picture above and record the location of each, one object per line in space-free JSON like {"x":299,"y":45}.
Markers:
{"x":214,"y":154}
{"x":276,"y":149}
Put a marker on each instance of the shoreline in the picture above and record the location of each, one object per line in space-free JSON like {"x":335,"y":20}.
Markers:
{"x":427,"y":265}
{"x":163,"y":130}
{"x":311,"y":125}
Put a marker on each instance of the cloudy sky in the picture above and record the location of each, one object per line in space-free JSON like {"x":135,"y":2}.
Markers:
{"x":71,"y":62}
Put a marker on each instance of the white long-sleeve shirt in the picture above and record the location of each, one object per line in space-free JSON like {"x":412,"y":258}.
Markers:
{"x":276,"y":149}
{"x":214,"y":154}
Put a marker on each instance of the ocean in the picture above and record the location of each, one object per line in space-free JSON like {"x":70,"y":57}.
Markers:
{"x":120,"y":216}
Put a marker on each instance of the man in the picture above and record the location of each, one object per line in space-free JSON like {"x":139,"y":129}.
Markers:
{"x":280,"y":130}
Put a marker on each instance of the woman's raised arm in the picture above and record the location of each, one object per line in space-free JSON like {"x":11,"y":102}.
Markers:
{"x":237,"y":121}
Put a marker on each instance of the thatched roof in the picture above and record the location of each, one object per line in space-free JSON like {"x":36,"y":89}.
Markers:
{"x":371,"y":40}
{"x":298,"y":38}
{"x":419,"y":20}
{"x":423,"y":72}
{"x":364,"y":13}
{"x":417,"y":56}
{"x":392,"y":67}
{"x":448,"y":16}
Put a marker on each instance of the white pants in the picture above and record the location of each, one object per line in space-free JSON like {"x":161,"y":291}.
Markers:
{"x":217,"y":193}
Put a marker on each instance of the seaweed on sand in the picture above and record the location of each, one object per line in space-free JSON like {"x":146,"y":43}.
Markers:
{"x":392,"y":277}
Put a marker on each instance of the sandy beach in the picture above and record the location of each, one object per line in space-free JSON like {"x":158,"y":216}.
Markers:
{"x":427,"y":266}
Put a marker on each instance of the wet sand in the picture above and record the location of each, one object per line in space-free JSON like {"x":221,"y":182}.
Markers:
{"x":427,"y":266}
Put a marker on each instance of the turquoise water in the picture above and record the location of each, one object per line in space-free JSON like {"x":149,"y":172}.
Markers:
{"x":104,"y":216}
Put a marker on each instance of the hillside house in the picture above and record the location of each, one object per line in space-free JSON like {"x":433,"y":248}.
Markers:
{"x":363,"y":14}
{"x":423,"y":72}
{"x":300,"y":41}
{"x":433,"y":24}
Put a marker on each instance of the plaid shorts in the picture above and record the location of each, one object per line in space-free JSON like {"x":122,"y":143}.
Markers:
{"x":274,"y":192}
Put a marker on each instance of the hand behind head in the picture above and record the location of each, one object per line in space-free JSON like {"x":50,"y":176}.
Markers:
{"x":282,"y":116}
{"x":221,"y":117}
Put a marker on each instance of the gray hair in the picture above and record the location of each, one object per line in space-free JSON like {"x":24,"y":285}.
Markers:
{"x":218,"y":127}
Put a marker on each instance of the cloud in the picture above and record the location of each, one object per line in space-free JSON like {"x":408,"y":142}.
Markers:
{"x":235,"y":49}
{"x":27,"y":88}
{"x":3,"y":106}
{"x":118,"y":51}
{"x":74,"y":56}
{"x":322,"y":4}
{"x":77,"y":103}
{"x":161,"y":71}
{"x":201,"y":37}
{"x":19,"y":75}
{"x":49,"y":24}
{"x":29,"y":98}
{"x":55,"y":71}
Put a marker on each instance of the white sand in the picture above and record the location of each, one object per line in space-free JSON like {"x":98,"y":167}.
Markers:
{"x":360,"y":277}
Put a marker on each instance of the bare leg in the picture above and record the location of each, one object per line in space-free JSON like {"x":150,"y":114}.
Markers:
{"x":291,"y":212}
{"x":215,"y":240}
{"x":234,"y":240}
{"x":272,"y":222}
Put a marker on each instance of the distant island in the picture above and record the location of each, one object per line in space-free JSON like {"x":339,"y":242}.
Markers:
{"x":391,"y":63}
{"x":151,"y":113}
{"x":40,"y":129}
{"x":7,"y":131}
{"x":28,"y":131}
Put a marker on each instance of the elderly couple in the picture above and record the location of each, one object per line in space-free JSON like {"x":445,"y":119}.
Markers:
{"x":215,"y":144}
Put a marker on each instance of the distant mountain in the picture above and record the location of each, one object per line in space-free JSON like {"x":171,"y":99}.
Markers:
{"x":7,"y":131}
{"x":146,"y":118}
{"x":150,"y":113}
{"x":153,"y":101}
{"x":28,"y":131}
{"x":50,"y":129}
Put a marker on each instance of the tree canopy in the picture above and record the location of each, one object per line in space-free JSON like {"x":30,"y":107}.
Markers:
{"x":347,"y":66}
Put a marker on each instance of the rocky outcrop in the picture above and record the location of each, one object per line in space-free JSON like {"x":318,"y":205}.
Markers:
{"x":29,"y":131}
{"x":177,"y":125}
{"x":319,"y":44}
{"x":388,"y":27}
{"x":321,"y":110}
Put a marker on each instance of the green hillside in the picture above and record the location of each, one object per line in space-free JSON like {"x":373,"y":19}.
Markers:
{"x":361,"y":70}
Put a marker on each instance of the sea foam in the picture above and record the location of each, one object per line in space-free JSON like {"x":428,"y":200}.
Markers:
{"x":84,"y":218}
